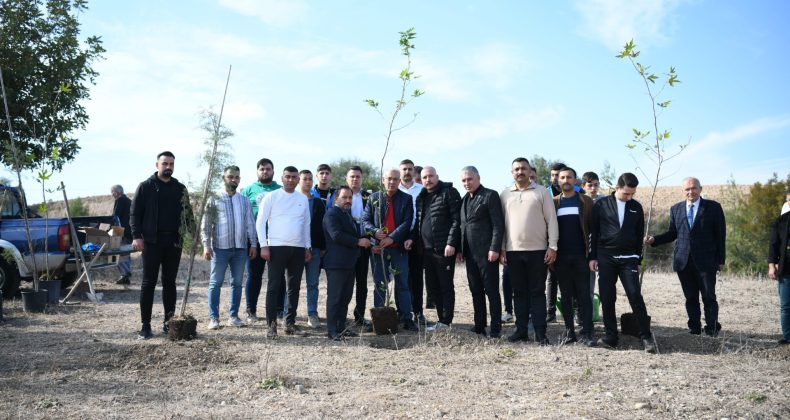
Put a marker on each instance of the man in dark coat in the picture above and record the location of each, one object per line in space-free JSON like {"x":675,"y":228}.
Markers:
{"x":121,"y":209}
{"x":779,"y":269}
{"x":697,"y":226}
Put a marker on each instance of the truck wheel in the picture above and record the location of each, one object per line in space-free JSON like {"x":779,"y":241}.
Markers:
{"x":9,"y":278}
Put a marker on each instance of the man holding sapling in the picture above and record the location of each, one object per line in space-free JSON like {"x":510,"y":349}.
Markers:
{"x":160,"y":214}
{"x":359,"y":199}
{"x":409,"y":185}
{"x":322,"y":189}
{"x":227,"y":230}
{"x":283,"y":227}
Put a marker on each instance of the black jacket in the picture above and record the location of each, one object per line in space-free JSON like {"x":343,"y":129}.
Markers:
{"x":606,"y":233}
{"x":317,"y":239}
{"x":372,"y":220}
{"x":482,"y":225}
{"x":704,"y":241}
{"x":777,"y":250}
{"x":445,"y":214}
{"x":145,"y":210}
{"x":121,"y":209}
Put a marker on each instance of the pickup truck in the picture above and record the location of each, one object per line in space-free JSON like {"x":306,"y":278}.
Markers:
{"x":58,"y":254}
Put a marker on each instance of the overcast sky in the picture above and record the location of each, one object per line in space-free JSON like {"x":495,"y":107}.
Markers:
{"x":502,"y":79}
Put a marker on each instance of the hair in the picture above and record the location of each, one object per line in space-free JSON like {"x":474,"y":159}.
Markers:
{"x":521,"y":159}
{"x":568,"y":168}
{"x":166,"y":153}
{"x":305,"y":171}
{"x":117,"y":188}
{"x":341,"y":188}
{"x":788,"y":190}
{"x":324,"y":167}
{"x":418,"y":169}
{"x":471,"y":169}
{"x":407,"y":162}
{"x":558,"y":166}
{"x":264,"y":162}
{"x":290,"y":169}
{"x":588,"y":177}
{"x":354,"y":168}
{"x":231,"y":168}
{"x":691,"y":178}
{"x":627,"y":179}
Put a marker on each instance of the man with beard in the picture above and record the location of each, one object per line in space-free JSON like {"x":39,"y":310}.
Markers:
{"x":228,"y":230}
{"x":409,"y":185}
{"x":359,"y":199}
{"x":322,"y":189}
{"x":256,"y":265}
{"x":160,"y":214}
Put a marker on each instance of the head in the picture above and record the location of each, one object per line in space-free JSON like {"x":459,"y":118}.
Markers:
{"x":407,"y":170}
{"x":231,"y":178}
{"x":567,"y":180}
{"x":290,"y":178}
{"x":787,"y":196}
{"x":165,"y":164}
{"x":324,"y":175}
{"x":626,"y":186}
{"x":116,"y":191}
{"x":470,"y":178}
{"x":354,"y":178}
{"x":533,"y":175}
{"x":520,"y":170}
{"x":554,"y":173}
{"x":265,"y":171}
{"x":391,"y":179}
{"x":591,"y":183}
{"x":305,"y":181}
{"x":430,"y":179}
{"x":691,"y":188}
{"x":417,"y":174}
{"x":343,"y":197}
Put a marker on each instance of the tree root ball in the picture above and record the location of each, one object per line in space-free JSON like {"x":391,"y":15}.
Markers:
{"x":385,"y":320}
{"x":182,"y":328}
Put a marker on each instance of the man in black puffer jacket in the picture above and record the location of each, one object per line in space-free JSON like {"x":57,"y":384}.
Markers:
{"x":438,"y":225}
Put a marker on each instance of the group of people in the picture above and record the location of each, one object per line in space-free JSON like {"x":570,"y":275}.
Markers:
{"x":562,"y":236}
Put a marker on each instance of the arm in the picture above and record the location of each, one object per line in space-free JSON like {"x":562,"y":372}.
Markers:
{"x":264,"y":212}
{"x":720,"y":240}
{"x":454,"y":205}
{"x":333,"y":225}
{"x":137,"y":212}
{"x":670,"y":235}
{"x":550,"y":216}
{"x":207,"y":226}
{"x":640,"y":230}
{"x":186,"y":208}
{"x":497,"y":223}
{"x":306,"y":213}
{"x":369,"y":214}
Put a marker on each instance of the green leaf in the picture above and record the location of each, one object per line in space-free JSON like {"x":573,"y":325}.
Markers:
{"x":666,"y":134}
{"x":64,"y":88}
{"x":372,"y":103}
{"x":630,"y":146}
{"x":663,"y":104}
{"x":417,"y":93}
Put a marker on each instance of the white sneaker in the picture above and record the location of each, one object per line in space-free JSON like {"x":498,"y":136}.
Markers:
{"x":313,"y":321}
{"x":437,"y":326}
{"x":234,"y":321}
{"x":507,"y":317}
{"x":213,"y":324}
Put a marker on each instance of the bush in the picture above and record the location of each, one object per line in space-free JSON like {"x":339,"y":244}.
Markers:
{"x":78,"y":208}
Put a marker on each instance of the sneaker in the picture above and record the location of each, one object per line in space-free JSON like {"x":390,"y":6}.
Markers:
{"x":349,"y":334}
{"x":313,"y":321}
{"x":476,"y":330}
{"x":213,"y":324}
{"x":650,"y":345}
{"x":234,"y":321}
{"x":608,"y":342}
{"x":518,"y":335}
{"x":145,"y":332}
{"x":507,"y":317}
{"x":123,"y":280}
{"x":271,"y":333}
{"x":783,"y":342}
{"x":251,"y":317}
{"x":409,"y":325}
{"x":589,"y":341}
{"x":437,"y":326}
{"x":365,"y":324}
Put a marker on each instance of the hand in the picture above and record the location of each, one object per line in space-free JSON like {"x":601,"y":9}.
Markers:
{"x":649,"y":239}
{"x":265,"y":253}
{"x":363,"y":243}
{"x":379,"y":235}
{"x":459,"y":257}
{"x":449,"y":251}
{"x":551,"y":256}
{"x":493,"y":256}
{"x":253,"y":252}
{"x":407,"y":244}
{"x":772,"y":271}
{"x":594,"y":265}
{"x":387,"y":241}
{"x":207,"y":254}
{"x":322,"y":253}
{"x":308,"y":255}
{"x":503,"y":258}
{"x":137,"y":245}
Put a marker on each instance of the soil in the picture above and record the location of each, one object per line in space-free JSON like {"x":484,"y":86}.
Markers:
{"x":182,"y":328}
{"x":83,"y":360}
{"x":384,"y":320}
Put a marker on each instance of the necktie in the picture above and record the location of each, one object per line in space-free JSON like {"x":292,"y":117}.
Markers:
{"x":690,"y":216}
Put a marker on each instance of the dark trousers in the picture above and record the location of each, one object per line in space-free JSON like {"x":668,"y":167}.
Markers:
{"x":290,"y":260}
{"x":528,"y":278}
{"x":415,"y":278}
{"x":484,"y":283}
{"x":252,"y":289}
{"x":551,"y":294}
{"x":339,"y":288}
{"x":166,"y":255}
{"x":695,"y":284}
{"x":573,"y":275}
{"x":609,"y":269}
{"x":507,"y":290}
{"x":361,"y":278}
{"x":439,"y":272}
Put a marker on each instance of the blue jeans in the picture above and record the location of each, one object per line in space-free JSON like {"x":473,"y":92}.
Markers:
{"x":312,"y":271}
{"x":397,"y":262}
{"x":236,"y":259}
{"x":784,"y":306}
{"x":125,"y":265}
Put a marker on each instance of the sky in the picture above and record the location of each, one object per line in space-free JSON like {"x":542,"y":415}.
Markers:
{"x":502,"y":79}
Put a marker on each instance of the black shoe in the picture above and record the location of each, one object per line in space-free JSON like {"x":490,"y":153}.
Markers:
{"x":589,"y":341}
{"x":336,"y":337}
{"x":551,"y":318}
{"x":409,"y":325}
{"x":568,"y":339}
{"x":695,"y":332}
{"x":478,"y":330}
{"x":710,"y":332}
{"x":430,"y":304}
{"x":123,"y":280}
{"x":271,"y":332}
{"x":608,"y":342}
{"x":291,"y":328}
{"x":519,"y":335}
{"x":650,"y":345}
{"x":145,"y":332}
{"x":419,"y":319}
{"x":783,"y":342}
{"x":349,"y":334}
{"x":541,"y":339}
{"x":495,"y":334}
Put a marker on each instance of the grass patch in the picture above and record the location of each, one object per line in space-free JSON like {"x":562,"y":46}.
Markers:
{"x":507,"y":352}
{"x":272,"y":382}
{"x":755,"y":397}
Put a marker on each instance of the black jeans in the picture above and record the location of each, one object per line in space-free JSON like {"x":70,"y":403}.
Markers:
{"x":528,"y":278}
{"x":573,"y":275}
{"x":484,"y":282}
{"x":361,"y":276}
{"x":439,"y":272}
{"x":339,"y":288}
{"x":609,"y":269}
{"x":507,"y":290}
{"x":166,"y":255}
{"x":416,"y":282}
{"x":551,"y":294}
{"x":695,"y":284}
{"x":252,"y":289}
{"x":284,"y":259}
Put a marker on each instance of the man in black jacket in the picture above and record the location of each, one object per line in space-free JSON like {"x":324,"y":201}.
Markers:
{"x":617,"y":229}
{"x":438,"y":226}
{"x":160,"y":214}
{"x":779,"y":269}
{"x":482,"y":225}
{"x":121,"y":209}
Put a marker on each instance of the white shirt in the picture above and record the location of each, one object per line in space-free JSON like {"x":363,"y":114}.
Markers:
{"x":413,"y":191}
{"x":696,"y":209}
{"x":785,"y":208}
{"x":620,"y":211}
{"x":357,"y":206}
{"x":284,"y":220}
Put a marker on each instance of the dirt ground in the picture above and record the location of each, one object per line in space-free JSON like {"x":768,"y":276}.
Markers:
{"x":82,"y":360}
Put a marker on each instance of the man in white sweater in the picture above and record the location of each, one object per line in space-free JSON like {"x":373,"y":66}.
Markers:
{"x":283,"y":227}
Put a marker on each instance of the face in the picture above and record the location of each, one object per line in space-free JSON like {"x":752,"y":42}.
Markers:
{"x":165,"y":166}
{"x":407,"y":172}
{"x":354,"y":179}
{"x":343,"y":199}
{"x":324,"y":177}
{"x":555,"y":176}
{"x":430,"y":179}
{"x":470,"y":181}
{"x":391,"y":181}
{"x":290,"y":179}
{"x":231,"y":180}
{"x":305,"y":182}
{"x":520,"y":172}
{"x":692,"y":190}
{"x":566,"y":181}
{"x":592,"y":187}
{"x":533,"y":177}
{"x":787,"y":198}
{"x":265,"y":173}
{"x":115,"y":194}
{"x":625,"y":193}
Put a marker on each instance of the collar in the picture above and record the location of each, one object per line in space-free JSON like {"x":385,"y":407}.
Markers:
{"x":696,"y":203}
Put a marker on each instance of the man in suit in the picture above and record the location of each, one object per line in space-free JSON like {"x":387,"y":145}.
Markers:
{"x":343,"y":243}
{"x":697,"y":227}
{"x":388,"y":217}
{"x":482,"y":225}
{"x":359,"y":199}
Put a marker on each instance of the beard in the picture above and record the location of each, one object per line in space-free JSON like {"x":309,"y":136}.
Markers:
{"x":231,"y":187}
{"x":167,"y":173}
{"x":266,"y":180}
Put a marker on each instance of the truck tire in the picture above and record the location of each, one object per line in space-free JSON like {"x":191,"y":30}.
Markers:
{"x":9,"y":278}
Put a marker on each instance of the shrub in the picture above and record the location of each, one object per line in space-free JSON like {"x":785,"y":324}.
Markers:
{"x":77,"y":208}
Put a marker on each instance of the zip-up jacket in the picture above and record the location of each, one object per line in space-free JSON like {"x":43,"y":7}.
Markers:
{"x":445,"y":214}
{"x":144,"y":216}
{"x":607,"y":235}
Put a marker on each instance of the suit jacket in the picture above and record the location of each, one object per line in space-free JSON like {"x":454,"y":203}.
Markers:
{"x":778,"y":245}
{"x":342,"y":234}
{"x":606,"y":232}
{"x":374,"y":215}
{"x":704,"y":241}
{"x":482,"y":225}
